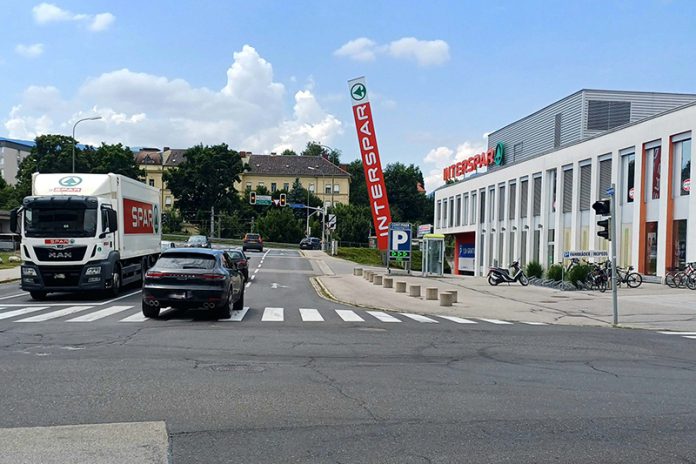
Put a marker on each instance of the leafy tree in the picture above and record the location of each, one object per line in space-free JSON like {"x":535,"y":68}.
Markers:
{"x":113,"y":158}
{"x":317,"y":149}
{"x":8,"y":196}
{"x":205,"y":180}
{"x":280,"y":225}
{"x":262,"y":190}
{"x":288,"y":152}
{"x":353,"y":223}
{"x":358,"y":188}
{"x":406,"y":202}
{"x":171,"y":221}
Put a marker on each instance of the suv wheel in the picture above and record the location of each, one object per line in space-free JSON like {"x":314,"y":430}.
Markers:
{"x":225,"y":311}
{"x":150,"y":311}
{"x":239,"y":304}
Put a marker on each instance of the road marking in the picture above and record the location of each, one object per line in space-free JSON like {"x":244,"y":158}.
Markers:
{"x":256,"y":271}
{"x":100,"y":314}
{"x":55,"y":314}
{"x":533,"y":323}
{"x":458,"y":320}
{"x":12,"y":296}
{"x":248,"y":285}
{"x":419,"y":318}
{"x":383,"y":317}
{"x":19,"y":312}
{"x":667,"y":332}
{"x":118,"y":298}
{"x":493,"y":321}
{"x":272,"y":315}
{"x":253,"y":277}
{"x":692,"y":337}
{"x":349,"y":316}
{"x":137,"y":317}
{"x":236,"y":316}
{"x":310,"y":315}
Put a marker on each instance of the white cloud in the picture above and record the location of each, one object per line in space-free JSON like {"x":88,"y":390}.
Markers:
{"x":360,"y":49}
{"x":101,"y":22}
{"x":442,"y":157}
{"x":30,"y":51}
{"x":423,"y":52}
{"x":46,"y":13}
{"x":248,"y":113}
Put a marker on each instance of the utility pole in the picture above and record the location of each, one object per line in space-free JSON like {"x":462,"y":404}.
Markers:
{"x":323,"y":228}
{"x":212,"y":221}
{"x":614,"y":290}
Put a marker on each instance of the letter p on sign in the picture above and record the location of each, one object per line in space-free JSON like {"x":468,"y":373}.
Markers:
{"x":399,"y":237}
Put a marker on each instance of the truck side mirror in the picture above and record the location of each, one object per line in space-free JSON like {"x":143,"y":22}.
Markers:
{"x":13,"y":221}
{"x":113,"y":220}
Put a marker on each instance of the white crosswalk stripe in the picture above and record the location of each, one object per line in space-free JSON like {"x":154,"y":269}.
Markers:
{"x":419,"y":318}
{"x":669,"y":332}
{"x":458,"y":320}
{"x":692,"y":337}
{"x":100,"y":314}
{"x":55,"y":314}
{"x":273,"y":315}
{"x":310,"y":315}
{"x":494,"y":321}
{"x":137,"y":317}
{"x":383,"y":317}
{"x":237,"y":316}
{"x":349,"y":316}
{"x":20,"y":312}
{"x":533,"y":323}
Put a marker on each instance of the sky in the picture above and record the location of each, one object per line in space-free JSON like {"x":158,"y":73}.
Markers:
{"x":266,"y":75}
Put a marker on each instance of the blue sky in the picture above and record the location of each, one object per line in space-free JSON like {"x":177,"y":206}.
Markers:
{"x":265,"y":75}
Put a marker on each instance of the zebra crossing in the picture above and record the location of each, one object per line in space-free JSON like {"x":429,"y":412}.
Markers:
{"x":131,"y":314}
{"x":687,"y":335}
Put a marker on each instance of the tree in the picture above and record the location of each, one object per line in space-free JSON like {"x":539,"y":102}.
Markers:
{"x":171,"y":221}
{"x":406,"y":202}
{"x":317,"y":149}
{"x":358,"y":188}
{"x":8,"y":196}
{"x":280,"y":225}
{"x":205,"y":180}
{"x":113,"y":158}
{"x":353,"y":223}
{"x":288,"y":152}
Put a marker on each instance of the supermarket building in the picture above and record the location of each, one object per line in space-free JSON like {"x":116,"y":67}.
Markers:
{"x":529,"y":196}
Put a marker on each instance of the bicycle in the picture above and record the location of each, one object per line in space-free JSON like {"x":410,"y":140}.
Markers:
{"x":682,"y":277}
{"x":628,"y":277}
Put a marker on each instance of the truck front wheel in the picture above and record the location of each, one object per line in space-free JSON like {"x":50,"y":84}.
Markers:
{"x":115,"y":281}
{"x":38,"y":295}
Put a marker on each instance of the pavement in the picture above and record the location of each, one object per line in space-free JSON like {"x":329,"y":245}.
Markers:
{"x":7,"y":275}
{"x":651,"y":306}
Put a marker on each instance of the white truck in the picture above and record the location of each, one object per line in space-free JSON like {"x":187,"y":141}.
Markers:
{"x":83,"y":232}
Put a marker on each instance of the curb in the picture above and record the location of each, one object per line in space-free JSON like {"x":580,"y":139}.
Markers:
{"x":322,"y":291}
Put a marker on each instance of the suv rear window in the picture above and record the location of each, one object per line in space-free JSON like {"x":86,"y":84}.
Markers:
{"x":252,"y":237}
{"x":186,"y":261}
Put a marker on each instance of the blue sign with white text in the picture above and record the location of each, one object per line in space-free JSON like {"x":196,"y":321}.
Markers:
{"x":400,"y":241}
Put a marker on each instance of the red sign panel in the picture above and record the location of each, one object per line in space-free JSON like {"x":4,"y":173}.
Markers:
{"x":139,"y":217}
{"x":374,"y":178}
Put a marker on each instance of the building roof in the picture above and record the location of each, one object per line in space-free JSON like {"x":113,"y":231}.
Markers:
{"x":298,"y":166}
{"x":18,"y":144}
{"x":175,"y":156}
{"x":148,"y":156}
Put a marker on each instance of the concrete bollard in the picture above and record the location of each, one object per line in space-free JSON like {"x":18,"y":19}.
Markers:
{"x":414,"y":290}
{"x":455,"y":295}
{"x":357,"y":271}
{"x":388,"y":282}
{"x":431,"y":293}
{"x":377,"y":280}
{"x":372,"y":277}
{"x":400,"y":286}
{"x":366,"y":275}
{"x":446,"y":298}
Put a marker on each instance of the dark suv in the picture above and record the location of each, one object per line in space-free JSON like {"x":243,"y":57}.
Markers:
{"x":252,"y":242}
{"x":310,"y":243}
{"x":198,"y":241}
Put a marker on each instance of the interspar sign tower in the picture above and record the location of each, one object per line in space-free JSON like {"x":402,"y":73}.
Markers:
{"x":374,"y":178}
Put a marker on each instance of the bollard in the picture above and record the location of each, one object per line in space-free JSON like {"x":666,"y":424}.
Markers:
{"x":372,"y":276}
{"x":357,"y":271}
{"x":414,"y":290}
{"x":388,"y":282}
{"x":455,"y":295}
{"x":377,"y":280}
{"x":366,"y":275}
{"x":446,"y":298}
{"x":400,"y":286}
{"x":431,"y":293}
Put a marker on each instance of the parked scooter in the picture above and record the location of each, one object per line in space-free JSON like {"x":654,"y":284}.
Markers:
{"x":498,"y":275}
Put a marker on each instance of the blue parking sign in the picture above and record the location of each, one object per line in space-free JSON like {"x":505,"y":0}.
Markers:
{"x":400,"y":241}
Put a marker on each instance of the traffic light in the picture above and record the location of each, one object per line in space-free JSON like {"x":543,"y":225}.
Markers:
{"x":252,"y":198}
{"x":603,"y":208}
{"x":283,"y":200}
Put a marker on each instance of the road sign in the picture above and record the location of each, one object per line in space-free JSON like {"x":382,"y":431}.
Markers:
{"x":296,"y":205}
{"x":400,"y":241}
{"x":585,"y":254}
{"x":331,"y":222}
{"x":264,"y":200}
{"x":610,"y":191}
{"x":424,"y":229}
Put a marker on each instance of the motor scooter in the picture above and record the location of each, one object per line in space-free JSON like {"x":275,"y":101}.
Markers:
{"x":498,"y":275}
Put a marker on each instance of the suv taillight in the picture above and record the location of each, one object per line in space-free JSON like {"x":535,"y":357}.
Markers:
{"x":213,"y":277}
{"x":154,"y":274}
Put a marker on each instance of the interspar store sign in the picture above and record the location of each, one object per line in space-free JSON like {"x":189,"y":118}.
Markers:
{"x":477,"y":164}
{"x":379,"y":203}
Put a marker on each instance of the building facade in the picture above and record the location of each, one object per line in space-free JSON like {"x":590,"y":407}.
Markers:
{"x":12,"y":152}
{"x":535,"y":203}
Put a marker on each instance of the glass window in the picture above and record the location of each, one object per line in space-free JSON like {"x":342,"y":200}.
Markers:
{"x":465,"y":213}
{"x":151,"y":182}
{"x":568,"y":190}
{"x":274,"y":186}
{"x":491,"y":208}
{"x":286,"y":186}
{"x":327,"y":189}
{"x":444,"y":213}
{"x":682,"y":166}
{"x":451,"y":211}
{"x":168,"y":201}
{"x":311,"y":187}
{"x":501,"y":204}
{"x":482,"y":209}
{"x":537,"y":196}
{"x":473,"y":208}
{"x":248,"y":185}
{"x":679,"y":243}
{"x":651,"y":248}
{"x":652,"y":173}
{"x":552,"y":190}
{"x":458,"y":221}
{"x":336,"y":188}
{"x":524,"y":196}
{"x":511,"y":201}
{"x":629,"y":171}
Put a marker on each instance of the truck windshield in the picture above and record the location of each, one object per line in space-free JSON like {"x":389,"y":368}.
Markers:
{"x":60,"y":222}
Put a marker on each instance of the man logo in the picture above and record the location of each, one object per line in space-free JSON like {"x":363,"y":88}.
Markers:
{"x":70,"y":181}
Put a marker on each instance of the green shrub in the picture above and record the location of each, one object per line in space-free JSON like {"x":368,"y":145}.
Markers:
{"x":578,"y":273}
{"x":534,"y":269}
{"x":555,"y":272}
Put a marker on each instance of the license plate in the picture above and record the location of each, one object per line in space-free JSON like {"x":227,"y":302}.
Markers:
{"x":59,"y":276}
{"x":178,"y":296}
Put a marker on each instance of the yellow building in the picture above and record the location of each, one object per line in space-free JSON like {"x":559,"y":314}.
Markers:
{"x":325,"y":180}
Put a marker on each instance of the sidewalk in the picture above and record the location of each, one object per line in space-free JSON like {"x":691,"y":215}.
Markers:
{"x":7,"y":275}
{"x":651,"y":306}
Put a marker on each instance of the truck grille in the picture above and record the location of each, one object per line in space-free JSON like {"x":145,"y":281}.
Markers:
{"x":64,"y":276}
{"x":75,"y":253}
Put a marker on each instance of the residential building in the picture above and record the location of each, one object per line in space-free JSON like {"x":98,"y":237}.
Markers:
{"x":529,"y":196}
{"x":12,"y":152}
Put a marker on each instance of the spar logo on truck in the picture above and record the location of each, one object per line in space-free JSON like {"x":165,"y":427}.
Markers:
{"x":140,"y":218}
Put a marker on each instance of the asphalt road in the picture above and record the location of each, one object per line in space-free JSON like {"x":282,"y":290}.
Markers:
{"x":323,"y":389}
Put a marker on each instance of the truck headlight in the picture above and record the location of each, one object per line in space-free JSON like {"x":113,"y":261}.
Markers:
{"x":29,"y":271}
{"x":94,"y":270}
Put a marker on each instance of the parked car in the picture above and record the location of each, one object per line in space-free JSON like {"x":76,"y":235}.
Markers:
{"x":193,"y":279}
{"x":310,"y":243}
{"x":165,"y":245}
{"x":252,"y":242}
{"x":241,"y":260}
{"x":198,"y":241}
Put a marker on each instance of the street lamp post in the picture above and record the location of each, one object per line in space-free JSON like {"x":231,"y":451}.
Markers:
{"x":332,"y":150}
{"x":93,"y":118}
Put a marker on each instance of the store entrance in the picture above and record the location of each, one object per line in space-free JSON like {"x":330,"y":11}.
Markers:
{"x":650,"y":248}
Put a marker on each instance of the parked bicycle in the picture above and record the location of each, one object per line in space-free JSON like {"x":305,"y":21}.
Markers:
{"x":628,"y":277}
{"x":682,"y":277}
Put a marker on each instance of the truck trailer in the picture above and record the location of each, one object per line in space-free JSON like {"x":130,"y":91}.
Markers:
{"x":86,"y":232}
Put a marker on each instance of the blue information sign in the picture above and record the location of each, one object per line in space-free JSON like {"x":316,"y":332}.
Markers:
{"x":400,"y":241}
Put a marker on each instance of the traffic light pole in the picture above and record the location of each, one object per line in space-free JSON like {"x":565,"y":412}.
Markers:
{"x":614,"y":290}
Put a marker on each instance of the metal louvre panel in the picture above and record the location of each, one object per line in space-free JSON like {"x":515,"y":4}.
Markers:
{"x":511,"y":202}
{"x":537,"y":197}
{"x":524,"y":198}
{"x":604,"y":177}
{"x":482,"y":211}
{"x":567,"y":190}
{"x":557,"y":131}
{"x":585,"y":185}
{"x":501,"y":204}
